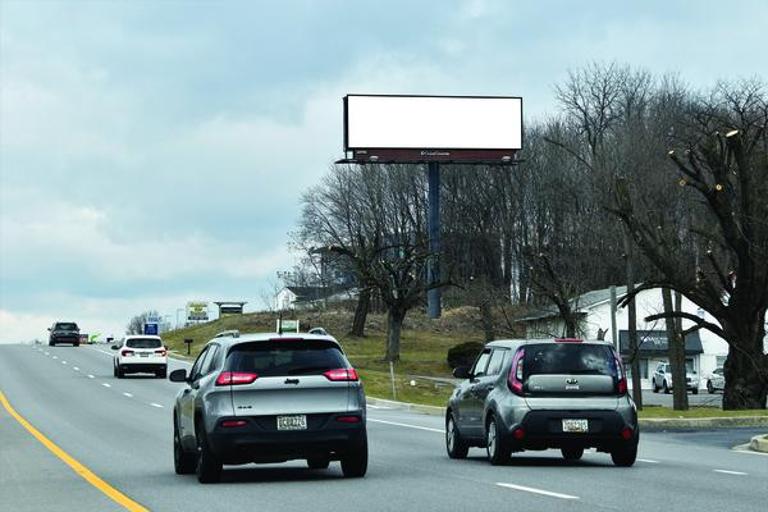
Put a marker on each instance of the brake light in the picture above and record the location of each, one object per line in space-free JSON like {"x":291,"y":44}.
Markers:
{"x":348,"y":419}
{"x":515,"y":377}
{"x":235,"y":378}
{"x":127,"y":353}
{"x":341,"y":374}
{"x":626,"y":433}
{"x":569,"y":340}
{"x":519,"y":434}
{"x":621,"y":376}
{"x":233,"y":423}
{"x":161,"y":352}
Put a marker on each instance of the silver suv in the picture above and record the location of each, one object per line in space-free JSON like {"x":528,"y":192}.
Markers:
{"x":269,"y":398}
{"x":538,"y":394}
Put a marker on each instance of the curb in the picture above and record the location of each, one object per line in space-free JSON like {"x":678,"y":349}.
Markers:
{"x":661,"y":424}
{"x":759,"y":444}
{"x":646,"y":424}
{"x":431,"y":410}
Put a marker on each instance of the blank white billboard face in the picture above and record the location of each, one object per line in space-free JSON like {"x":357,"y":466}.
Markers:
{"x":433,"y":122}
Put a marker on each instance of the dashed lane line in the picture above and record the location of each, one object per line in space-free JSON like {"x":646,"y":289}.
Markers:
{"x":76,"y":368}
{"x":417,"y":427}
{"x":729,"y":472}
{"x":537,"y":491}
{"x":91,"y":376}
{"x":106,"y":385}
{"x":128,"y":395}
{"x":648,"y":461}
{"x":153,"y":404}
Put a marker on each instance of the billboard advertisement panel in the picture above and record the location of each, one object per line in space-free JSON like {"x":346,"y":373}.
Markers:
{"x":197,"y":311}
{"x":432,"y":123}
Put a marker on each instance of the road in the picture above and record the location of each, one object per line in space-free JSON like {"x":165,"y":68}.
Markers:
{"x":121,"y":431}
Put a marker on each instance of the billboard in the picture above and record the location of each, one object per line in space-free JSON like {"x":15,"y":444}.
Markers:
{"x":197,"y":311}
{"x":432,"y":127}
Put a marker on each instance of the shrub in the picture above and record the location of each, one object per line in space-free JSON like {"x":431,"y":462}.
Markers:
{"x":464,"y":354}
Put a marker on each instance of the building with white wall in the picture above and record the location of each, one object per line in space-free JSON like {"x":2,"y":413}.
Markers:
{"x":705,"y":350}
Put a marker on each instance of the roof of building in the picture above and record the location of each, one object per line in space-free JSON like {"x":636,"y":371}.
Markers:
{"x":581,"y":303}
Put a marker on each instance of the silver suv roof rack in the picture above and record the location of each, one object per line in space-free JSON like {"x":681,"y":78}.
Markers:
{"x":232,"y":333}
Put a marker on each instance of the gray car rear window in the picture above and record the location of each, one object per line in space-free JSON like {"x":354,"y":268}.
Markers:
{"x":281,"y":358}
{"x":66,"y":326}
{"x":568,"y":359}
{"x":143,"y":343}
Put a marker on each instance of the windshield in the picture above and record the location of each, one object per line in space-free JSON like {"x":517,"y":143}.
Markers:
{"x":280,"y":358}
{"x":569,"y":359}
{"x":66,"y":326}
{"x":144,"y":343}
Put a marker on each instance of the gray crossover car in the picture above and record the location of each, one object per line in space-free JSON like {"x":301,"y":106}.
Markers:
{"x":539,"y":394}
{"x":269,"y":398}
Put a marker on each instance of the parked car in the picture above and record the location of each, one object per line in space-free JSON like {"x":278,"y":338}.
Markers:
{"x":64,"y":332}
{"x":140,"y":353}
{"x":269,"y":398}
{"x":662,"y":379}
{"x":567,"y":394}
{"x":716,"y":381}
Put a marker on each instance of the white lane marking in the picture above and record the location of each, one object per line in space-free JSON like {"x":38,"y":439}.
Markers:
{"x":153,"y":404}
{"x":128,"y":395}
{"x":106,"y":385}
{"x":377,"y":407}
{"x":648,"y":461}
{"x":729,"y":472}
{"x":55,"y":357}
{"x":537,"y":491}
{"x":63,"y":362}
{"x":47,"y":353}
{"x":91,"y":376}
{"x":418,"y":427}
{"x":76,"y":368}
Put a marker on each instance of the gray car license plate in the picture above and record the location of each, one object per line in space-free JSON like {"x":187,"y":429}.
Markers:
{"x":296,"y":422}
{"x":576,"y":426}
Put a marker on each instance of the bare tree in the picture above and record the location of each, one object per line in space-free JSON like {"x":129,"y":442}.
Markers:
{"x":136,"y":324}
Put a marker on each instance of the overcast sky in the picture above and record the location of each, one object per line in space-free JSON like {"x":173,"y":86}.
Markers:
{"x":154,"y":152}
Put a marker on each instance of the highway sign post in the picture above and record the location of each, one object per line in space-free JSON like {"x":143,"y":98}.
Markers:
{"x":430,"y":130}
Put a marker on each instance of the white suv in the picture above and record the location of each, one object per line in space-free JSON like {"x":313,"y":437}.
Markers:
{"x":140,"y":354}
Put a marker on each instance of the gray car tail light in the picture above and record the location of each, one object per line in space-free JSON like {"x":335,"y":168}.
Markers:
{"x":515,"y":377}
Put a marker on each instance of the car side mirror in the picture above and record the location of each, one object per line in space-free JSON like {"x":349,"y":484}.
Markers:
{"x":49,"y":329}
{"x":462,"y":372}
{"x":179,"y":375}
{"x":114,"y":347}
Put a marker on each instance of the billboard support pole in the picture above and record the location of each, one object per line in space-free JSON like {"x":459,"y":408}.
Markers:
{"x":433,"y":229}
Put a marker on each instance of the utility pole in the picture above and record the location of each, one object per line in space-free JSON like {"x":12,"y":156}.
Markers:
{"x":434,"y":305}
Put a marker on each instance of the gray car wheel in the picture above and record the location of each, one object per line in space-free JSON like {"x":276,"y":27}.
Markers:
{"x":497,"y":448}
{"x":208,"y":465}
{"x":455,"y":445}
{"x":184,"y":463}
{"x":355,"y":463}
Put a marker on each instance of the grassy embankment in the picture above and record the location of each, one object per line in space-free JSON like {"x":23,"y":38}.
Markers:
{"x":424,"y":347}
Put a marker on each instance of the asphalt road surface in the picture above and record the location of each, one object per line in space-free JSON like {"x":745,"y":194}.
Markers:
{"x":121,"y":431}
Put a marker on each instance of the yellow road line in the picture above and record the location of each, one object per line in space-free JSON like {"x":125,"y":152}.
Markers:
{"x":77,"y":467}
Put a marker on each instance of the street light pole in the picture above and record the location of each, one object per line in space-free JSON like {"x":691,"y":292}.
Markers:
{"x":177,"y":316}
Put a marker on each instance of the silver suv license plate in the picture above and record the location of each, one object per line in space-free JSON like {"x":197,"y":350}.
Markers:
{"x":297,"y":422}
{"x":577,"y":426}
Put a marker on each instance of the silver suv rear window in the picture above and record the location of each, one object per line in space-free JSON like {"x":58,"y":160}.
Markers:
{"x":144,"y":343}
{"x":285,"y":357}
{"x":568,"y":359}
